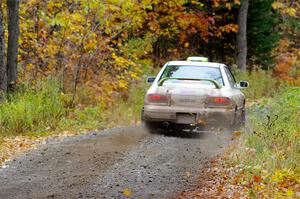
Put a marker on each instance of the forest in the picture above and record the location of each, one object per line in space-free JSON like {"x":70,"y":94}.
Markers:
{"x":80,"y":65}
{"x":107,"y":45}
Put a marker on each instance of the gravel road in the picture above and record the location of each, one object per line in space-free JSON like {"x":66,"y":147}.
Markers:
{"x":104,"y":164}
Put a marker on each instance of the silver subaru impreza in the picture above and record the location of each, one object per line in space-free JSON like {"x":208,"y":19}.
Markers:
{"x":194,"y":94}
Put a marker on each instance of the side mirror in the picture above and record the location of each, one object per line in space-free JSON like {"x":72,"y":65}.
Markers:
{"x":150,"y":79}
{"x":243,"y":84}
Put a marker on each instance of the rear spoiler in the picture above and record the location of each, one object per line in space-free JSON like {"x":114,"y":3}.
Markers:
{"x":217,"y":85}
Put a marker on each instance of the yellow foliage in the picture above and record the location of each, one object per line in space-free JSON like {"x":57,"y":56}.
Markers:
{"x":127,"y":192}
{"x":89,"y":39}
{"x":229,"y":28}
{"x":228,"y":5}
{"x":285,"y":8}
{"x":237,"y":2}
{"x":123,"y":84}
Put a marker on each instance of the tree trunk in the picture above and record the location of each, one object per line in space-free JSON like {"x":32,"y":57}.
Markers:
{"x":242,"y":36}
{"x":3,"y":70}
{"x":13,"y":35}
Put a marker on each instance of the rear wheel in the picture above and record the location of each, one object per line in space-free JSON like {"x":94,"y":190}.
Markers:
{"x":239,"y":121}
{"x":151,"y":127}
{"x":243,"y":119}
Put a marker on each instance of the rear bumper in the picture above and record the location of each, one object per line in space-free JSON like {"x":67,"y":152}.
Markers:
{"x":202,"y":116}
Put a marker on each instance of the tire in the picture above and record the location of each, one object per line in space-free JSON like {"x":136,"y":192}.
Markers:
{"x":239,"y":122}
{"x":152,"y":127}
{"x":243,"y":119}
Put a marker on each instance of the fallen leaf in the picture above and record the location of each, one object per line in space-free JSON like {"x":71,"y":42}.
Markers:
{"x":257,"y":179}
{"x":188,"y":174}
{"x":127,"y":192}
{"x":237,"y":133}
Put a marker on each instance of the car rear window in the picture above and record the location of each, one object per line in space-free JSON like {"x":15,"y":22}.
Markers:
{"x":195,"y":72}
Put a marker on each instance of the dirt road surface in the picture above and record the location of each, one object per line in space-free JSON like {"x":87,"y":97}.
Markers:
{"x":116,"y":163}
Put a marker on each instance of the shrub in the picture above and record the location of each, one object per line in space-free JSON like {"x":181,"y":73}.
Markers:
{"x":128,"y":111}
{"x":277,"y":129}
{"x":88,"y":118}
{"x":29,"y":110}
{"x":271,"y":150}
{"x":262,"y":84}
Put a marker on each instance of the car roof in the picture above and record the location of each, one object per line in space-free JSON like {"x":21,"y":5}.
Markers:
{"x":194,"y":63}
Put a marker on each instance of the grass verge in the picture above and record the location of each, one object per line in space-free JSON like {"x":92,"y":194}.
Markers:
{"x":32,"y":115}
{"x":262,"y":84}
{"x":263,"y":162}
{"x":270,"y":155}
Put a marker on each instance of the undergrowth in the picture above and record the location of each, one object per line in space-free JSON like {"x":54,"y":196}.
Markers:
{"x":124,"y":111}
{"x":31,"y":110}
{"x":45,"y":110}
{"x":270,"y":155}
{"x":261,"y":84}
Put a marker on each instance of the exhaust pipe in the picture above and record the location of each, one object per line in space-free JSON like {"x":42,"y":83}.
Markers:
{"x":166,"y":124}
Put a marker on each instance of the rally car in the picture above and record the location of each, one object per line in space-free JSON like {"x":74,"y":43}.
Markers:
{"x":194,"y":94}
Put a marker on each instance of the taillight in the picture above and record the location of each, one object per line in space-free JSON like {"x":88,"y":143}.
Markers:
{"x":219,"y":101}
{"x":157,"y":98}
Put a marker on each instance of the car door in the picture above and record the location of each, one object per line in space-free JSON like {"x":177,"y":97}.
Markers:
{"x":238,"y":96}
